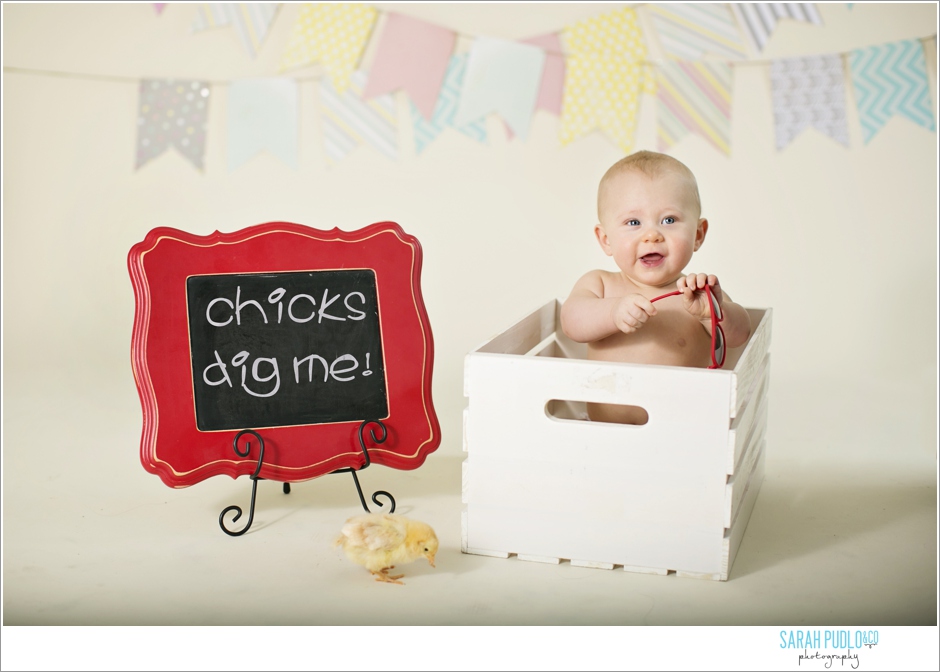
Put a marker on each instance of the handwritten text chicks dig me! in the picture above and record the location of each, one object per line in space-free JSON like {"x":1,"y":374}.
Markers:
{"x":223,"y":312}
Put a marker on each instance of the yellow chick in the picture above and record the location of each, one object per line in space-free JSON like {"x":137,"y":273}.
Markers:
{"x":379,"y":541}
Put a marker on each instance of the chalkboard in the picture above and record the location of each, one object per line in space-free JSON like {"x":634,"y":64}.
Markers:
{"x":282,"y":349}
{"x":296,"y":333}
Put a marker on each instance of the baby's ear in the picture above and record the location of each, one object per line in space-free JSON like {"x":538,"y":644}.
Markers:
{"x":602,"y":239}
{"x":700,"y":232}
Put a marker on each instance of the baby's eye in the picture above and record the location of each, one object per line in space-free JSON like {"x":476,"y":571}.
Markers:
{"x":669,"y":220}
{"x":633,"y":222}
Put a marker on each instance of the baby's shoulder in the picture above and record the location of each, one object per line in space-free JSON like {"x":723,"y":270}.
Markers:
{"x":604,"y":283}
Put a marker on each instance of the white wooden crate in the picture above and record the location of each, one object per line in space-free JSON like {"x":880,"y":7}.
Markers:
{"x":542,"y":482}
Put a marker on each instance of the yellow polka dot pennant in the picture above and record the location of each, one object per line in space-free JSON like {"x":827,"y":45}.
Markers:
{"x":606,"y":71}
{"x":332,"y":34}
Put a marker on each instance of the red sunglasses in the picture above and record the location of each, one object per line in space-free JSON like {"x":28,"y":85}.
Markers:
{"x":718,"y":336}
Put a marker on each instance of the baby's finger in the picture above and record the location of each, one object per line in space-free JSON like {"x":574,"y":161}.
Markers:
{"x":701,"y":280}
{"x":639,"y":315}
{"x":646,"y":306}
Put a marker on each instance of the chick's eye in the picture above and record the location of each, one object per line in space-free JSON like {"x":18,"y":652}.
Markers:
{"x":425,"y":550}
{"x":669,"y":220}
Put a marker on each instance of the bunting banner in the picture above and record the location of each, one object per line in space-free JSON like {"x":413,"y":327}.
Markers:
{"x":891,"y":79}
{"x":502,"y":76}
{"x":251,"y":20}
{"x":552,"y":86}
{"x":591,"y":74}
{"x":172,"y":113}
{"x":694,"y":96}
{"x":446,"y":109}
{"x":411,"y":55}
{"x":760,"y":18}
{"x":604,"y":76}
{"x":809,"y":91}
{"x":332,"y":34}
{"x":349,"y":120}
{"x":262,"y":115}
{"x":687,"y":31}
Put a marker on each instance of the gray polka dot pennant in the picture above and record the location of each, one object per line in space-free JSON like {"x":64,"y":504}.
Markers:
{"x":172,"y":112}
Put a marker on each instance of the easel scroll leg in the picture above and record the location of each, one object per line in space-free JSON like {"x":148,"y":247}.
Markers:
{"x":362,"y":444}
{"x":254,"y":485}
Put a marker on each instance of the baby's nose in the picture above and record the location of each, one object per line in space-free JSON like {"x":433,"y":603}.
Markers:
{"x":653,"y":234}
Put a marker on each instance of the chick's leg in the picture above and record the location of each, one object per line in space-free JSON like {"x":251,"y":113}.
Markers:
{"x":382,"y":575}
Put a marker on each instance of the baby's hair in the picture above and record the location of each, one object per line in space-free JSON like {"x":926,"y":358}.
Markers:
{"x":651,"y":164}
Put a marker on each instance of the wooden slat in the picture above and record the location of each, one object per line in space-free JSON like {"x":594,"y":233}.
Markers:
{"x":658,"y":571}
{"x":539,"y":558}
{"x":486,"y":552}
{"x":592,"y":565}
{"x":742,"y":426}
{"x":464,"y":532}
{"x":735,"y":534}
{"x":698,"y":575}
{"x":465,"y":481}
{"x":738,"y":485}
{"x":466,"y":418}
{"x":752,"y":358}
{"x":525,"y":334}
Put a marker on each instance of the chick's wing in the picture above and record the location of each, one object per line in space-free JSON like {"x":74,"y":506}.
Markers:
{"x":375,"y":531}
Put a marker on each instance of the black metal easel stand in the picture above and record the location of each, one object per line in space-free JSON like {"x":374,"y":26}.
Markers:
{"x":255,"y":478}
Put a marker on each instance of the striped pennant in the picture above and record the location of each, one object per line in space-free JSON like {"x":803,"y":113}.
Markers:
{"x":446,"y":109}
{"x":758,"y":19}
{"x":694,"y":96}
{"x":689,"y":31}
{"x":250,"y":19}
{"x":809,"y":91}
{"x":349,"y":120}
{"x":891,"y":79}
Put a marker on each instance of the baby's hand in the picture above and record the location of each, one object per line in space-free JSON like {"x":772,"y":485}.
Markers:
{"x":693,"y":293}
{"x":632,"y":312}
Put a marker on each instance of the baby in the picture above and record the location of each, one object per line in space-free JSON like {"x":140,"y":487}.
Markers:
{"x":650,"y":222}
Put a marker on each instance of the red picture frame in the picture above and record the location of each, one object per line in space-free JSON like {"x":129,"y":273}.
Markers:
{"x":175,"y":449}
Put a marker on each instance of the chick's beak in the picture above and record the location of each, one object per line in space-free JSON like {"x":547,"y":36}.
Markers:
{"x":431,"y":560}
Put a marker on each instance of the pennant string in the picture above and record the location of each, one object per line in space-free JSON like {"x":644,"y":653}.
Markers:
{"x":124,"y":79}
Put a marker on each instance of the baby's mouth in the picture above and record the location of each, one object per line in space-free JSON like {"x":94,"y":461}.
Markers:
{"x":651,"y":259}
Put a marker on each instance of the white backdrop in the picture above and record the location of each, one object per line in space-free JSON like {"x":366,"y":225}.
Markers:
{"x":840,"y":242}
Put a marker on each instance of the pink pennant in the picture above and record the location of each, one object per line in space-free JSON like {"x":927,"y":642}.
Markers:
{"x":553,"y":73}
{"x":412,"y":55}
{"x":158,"y":6}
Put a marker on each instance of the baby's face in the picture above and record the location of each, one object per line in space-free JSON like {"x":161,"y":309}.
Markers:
{"x":650,"y":225}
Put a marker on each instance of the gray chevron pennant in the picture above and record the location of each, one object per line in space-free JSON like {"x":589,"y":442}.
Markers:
{"x":809,"y":91}
{"x":891,"y":79}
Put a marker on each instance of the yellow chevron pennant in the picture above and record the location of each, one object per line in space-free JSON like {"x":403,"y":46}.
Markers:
{"x":606,"y":71}
{"x":332,"y":34}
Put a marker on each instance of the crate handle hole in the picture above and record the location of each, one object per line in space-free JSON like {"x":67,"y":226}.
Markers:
{"x":622,"y":414}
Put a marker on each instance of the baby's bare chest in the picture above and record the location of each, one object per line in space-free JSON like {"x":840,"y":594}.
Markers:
{"x":671,"y":337}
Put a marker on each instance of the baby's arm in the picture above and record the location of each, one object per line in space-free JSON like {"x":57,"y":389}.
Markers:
{"x":735,"y":322}
{"x":588,"y":316}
